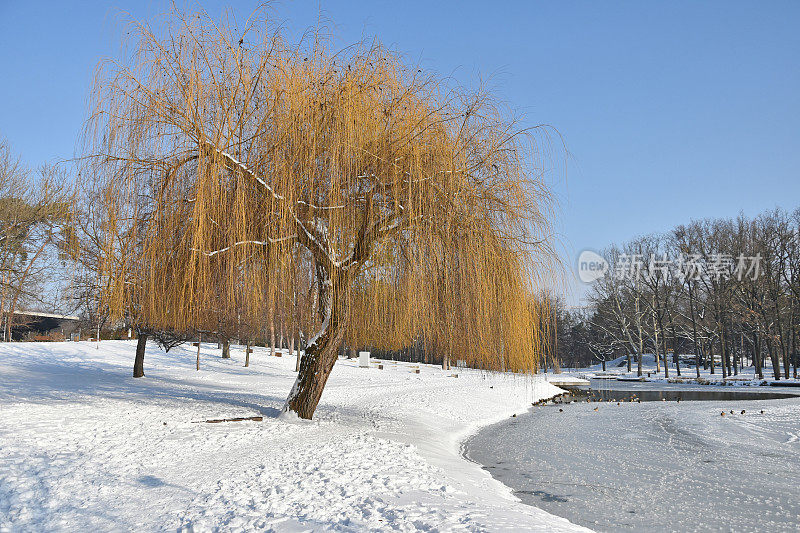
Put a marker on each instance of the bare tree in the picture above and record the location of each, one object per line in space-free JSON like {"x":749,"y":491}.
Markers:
{"x":35,"y":232}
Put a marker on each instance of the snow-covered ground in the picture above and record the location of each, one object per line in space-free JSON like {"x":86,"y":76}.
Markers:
{"x":85,"y":447}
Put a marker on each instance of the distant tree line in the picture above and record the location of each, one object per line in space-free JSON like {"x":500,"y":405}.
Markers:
{"x":717,"y":294}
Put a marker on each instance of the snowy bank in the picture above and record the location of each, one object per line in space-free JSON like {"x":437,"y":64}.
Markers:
{"x":84,"y":446}
{"x":617,"y":369}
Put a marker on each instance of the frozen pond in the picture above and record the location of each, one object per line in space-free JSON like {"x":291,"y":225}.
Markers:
{"x":655,"y":465}
{"x":638,"y":393}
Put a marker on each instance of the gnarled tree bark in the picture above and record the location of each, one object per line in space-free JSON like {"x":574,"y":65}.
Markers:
{"x":322,"y":352}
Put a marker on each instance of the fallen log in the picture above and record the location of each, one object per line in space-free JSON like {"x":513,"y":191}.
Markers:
{"x":237,"y":419}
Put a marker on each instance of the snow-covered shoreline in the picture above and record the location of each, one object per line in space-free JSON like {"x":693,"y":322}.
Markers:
{"x":84,"y":446}
{"x":616,"y":369}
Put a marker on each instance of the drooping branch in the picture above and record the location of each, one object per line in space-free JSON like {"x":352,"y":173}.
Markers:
{"x":309,"y":236}
{"x":242,"y":243}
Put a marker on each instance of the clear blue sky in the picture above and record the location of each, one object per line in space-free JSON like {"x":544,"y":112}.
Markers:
{"x":670,"y":110}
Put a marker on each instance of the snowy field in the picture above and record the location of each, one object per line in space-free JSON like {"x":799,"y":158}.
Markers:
{"x":655,"y":466}
{"x":85,"y":447}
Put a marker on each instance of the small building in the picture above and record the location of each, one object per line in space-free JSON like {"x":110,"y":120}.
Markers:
{"x":27,"y":324}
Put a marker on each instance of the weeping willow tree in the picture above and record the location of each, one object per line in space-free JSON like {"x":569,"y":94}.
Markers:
{"x":260,"y":170}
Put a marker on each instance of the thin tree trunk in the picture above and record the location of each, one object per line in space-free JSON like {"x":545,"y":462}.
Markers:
{"x":199,"y":342}
{"x":722,"y":350}
{"x":729,"y":350}
{"x":738,"y":354}
{"x":710,"y":354}
{"x":4,"y":316}
{"x":757,"y":355}
{"x":639,"y":329}
{"x":785,"y":362}
{"x":729,"y":355}
{"x":793,"y":340}
{"x":272,"y":339}
{"x":675,"y":355}
{"x":247,"y":355}
{"x":138,"y":362}
{"x":639,"y":363}
{"x":10,"y":317}
{"x":776,"y":365}
{"x":21,"y":284}
{"x":657,"y":354}
{"x":694,"y":332}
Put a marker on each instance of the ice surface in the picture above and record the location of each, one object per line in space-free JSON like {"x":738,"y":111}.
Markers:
{"x":658,"y":466}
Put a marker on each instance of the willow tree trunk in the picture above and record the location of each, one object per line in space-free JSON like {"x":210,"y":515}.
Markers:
{"x":322,"y":352}
{"x":317,"y":362}
{"x":226,"y":349}
{"x":138,"y":362}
